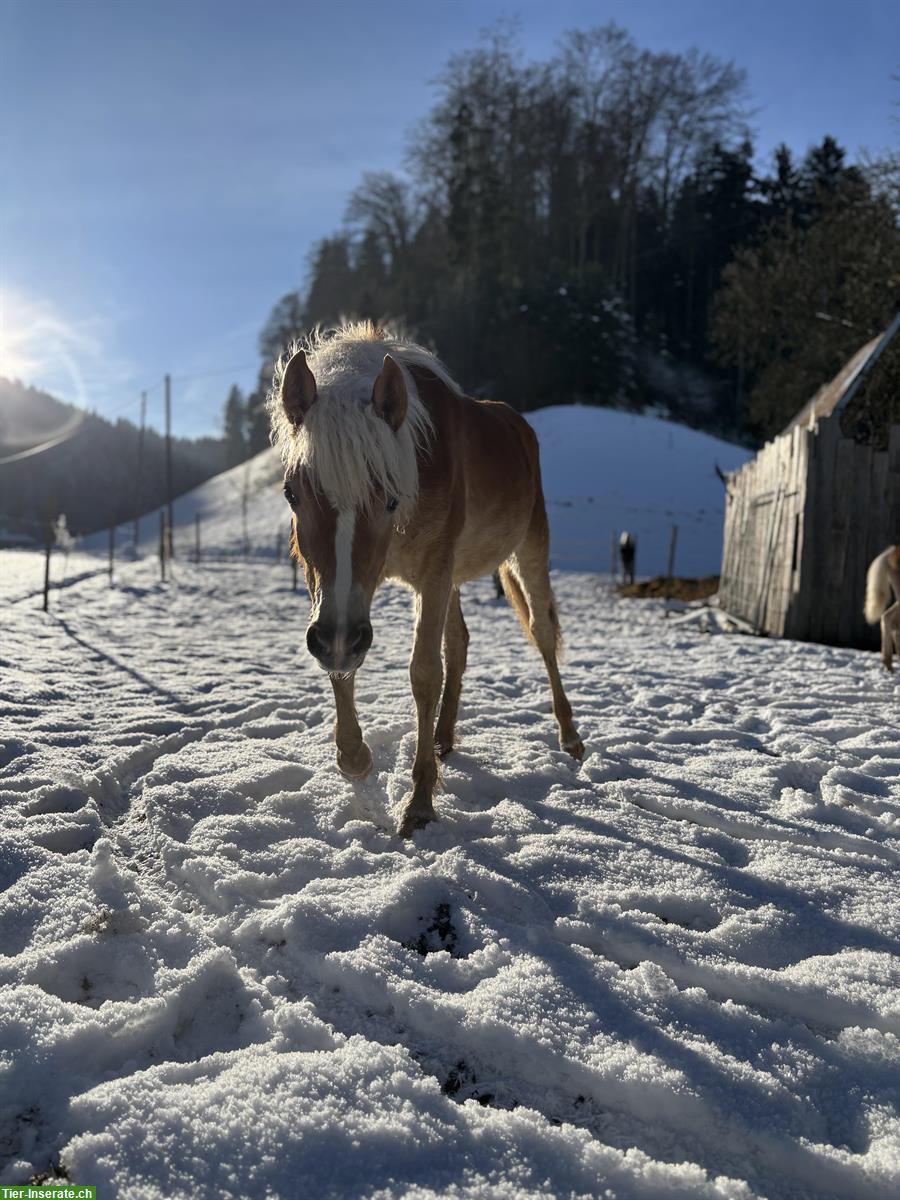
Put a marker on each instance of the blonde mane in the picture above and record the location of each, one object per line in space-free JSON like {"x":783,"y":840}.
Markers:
{"x":346,"y":447}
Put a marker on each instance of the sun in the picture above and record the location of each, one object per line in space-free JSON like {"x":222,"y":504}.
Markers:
{"x":17,"y":336}
{"x":40,"y":347}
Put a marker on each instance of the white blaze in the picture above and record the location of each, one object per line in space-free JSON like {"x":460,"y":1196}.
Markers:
{"x":343,"y":571}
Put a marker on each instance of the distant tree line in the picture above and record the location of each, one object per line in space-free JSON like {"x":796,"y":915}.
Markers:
{"x":92,"y":477}
{"x":245,"y":424}
{"x":592,"y":228}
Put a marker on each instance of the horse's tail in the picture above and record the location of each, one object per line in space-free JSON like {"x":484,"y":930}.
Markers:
{"x":516,"y":597}
{"x":519,"y":602}
{"x":878,"y":587}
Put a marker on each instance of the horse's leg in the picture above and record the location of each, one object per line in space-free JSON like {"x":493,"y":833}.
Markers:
{"x":354,"y":758}
{"x":456,"y":646}
{"x":890,"y":634}
{"x":526,"y":578}
{"x":890,"y":618}
{"x":426,"y":675}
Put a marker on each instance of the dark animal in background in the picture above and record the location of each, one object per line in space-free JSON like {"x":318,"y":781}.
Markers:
{"x":884,"y":576}
{"x":627,"y":551}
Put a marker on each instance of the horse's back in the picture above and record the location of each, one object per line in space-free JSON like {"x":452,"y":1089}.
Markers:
{"x":485,"y":462}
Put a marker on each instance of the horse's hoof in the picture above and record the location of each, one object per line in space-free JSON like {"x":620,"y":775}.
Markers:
{"x":575,"y":748}
{"x":442,"y":749}
{"x":414,"y":819}
{"x":355,"y":766}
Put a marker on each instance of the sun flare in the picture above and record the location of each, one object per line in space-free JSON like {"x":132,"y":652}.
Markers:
{"x":17,"y":360}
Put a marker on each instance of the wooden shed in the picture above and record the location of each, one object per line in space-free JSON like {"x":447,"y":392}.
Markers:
{"x":804,"y":519}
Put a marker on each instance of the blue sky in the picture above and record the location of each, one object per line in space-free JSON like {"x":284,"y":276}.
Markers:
{"x":166,"y":167}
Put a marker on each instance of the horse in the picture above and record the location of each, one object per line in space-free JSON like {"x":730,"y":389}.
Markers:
{"x":392,"y":472}
{"x":883,"y":576}
{"x":627,"y":551}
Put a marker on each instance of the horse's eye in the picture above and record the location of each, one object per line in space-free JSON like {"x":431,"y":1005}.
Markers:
{"x":391,"y":504}
{"x":289,"y":496}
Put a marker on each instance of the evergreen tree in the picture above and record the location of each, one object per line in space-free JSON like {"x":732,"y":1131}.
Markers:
{"x":332,"y":290}
{"x":285,"y":324}
{"x":783,"y":192}
{"x":234,"y":419}
{"x":257,"y":424}
{"x":799,"y":300}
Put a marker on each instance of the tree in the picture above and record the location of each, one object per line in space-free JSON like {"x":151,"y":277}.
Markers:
{"x":331,"y":292}
{"x":783,"y":192}
{"x":381,"y":206}
{"x":621,"y":174}
{"x":799,"y":301}
{"x":233,"y":428}
{"x":286,"y":322}
{"x":257,"y":423}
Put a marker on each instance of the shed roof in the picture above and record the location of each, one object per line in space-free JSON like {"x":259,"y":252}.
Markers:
{"x":830,"y":394}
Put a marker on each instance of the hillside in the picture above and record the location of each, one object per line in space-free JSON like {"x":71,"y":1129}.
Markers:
{"x":603,"y":470}
{"x":91,"y":474}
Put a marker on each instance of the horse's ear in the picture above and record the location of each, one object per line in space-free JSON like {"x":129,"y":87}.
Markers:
{"x":298,"y":389}
{"x":389,"y":394}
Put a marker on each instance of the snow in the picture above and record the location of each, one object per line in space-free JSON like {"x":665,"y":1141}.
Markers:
{"x":606,"y":471}
{"x":669,"y":972}
{"x":22,"y":572}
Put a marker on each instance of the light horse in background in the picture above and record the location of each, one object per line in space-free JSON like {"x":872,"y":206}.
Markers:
{"x":391,"y":472}
{"x":883,"y":576}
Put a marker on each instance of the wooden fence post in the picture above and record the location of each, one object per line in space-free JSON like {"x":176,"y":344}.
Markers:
{"x":170,"y":520}
{"x":48,"y":548}
{"x":162,"y":545}
{"x":112,"y":551}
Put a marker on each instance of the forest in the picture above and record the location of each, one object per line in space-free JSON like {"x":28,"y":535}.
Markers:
{"x":596,"y":228}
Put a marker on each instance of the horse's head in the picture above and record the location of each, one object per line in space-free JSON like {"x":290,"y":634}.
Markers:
{"x":341,"y":534}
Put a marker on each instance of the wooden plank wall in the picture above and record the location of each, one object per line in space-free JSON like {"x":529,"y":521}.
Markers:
{"x":854,"y":506}
{"x":763,"y":519}
{"x":803,"y":521}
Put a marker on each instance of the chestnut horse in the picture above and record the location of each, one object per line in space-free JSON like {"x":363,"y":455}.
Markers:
{"x":392,"y":472}
{"x":883,"y":577}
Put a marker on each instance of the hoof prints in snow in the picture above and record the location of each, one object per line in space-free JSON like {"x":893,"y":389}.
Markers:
{"x":440,"y":934}
{"x":462,"y":1084}
{"x":670,"y":968}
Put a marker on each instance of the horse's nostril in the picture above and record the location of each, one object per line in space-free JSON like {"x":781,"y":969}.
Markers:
{"x":361,"y":639}
{"x":316,"y":644}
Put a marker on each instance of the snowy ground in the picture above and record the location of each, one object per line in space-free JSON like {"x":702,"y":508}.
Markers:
{"x":22,"y":572}
{"x":671,"y":971}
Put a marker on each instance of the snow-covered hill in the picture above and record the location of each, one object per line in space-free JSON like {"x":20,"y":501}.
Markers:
{"x":603,"y":471}
{"x":607,"y":471}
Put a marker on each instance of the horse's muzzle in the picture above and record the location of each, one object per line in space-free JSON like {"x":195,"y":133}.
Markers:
{"x":338,"y":651}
